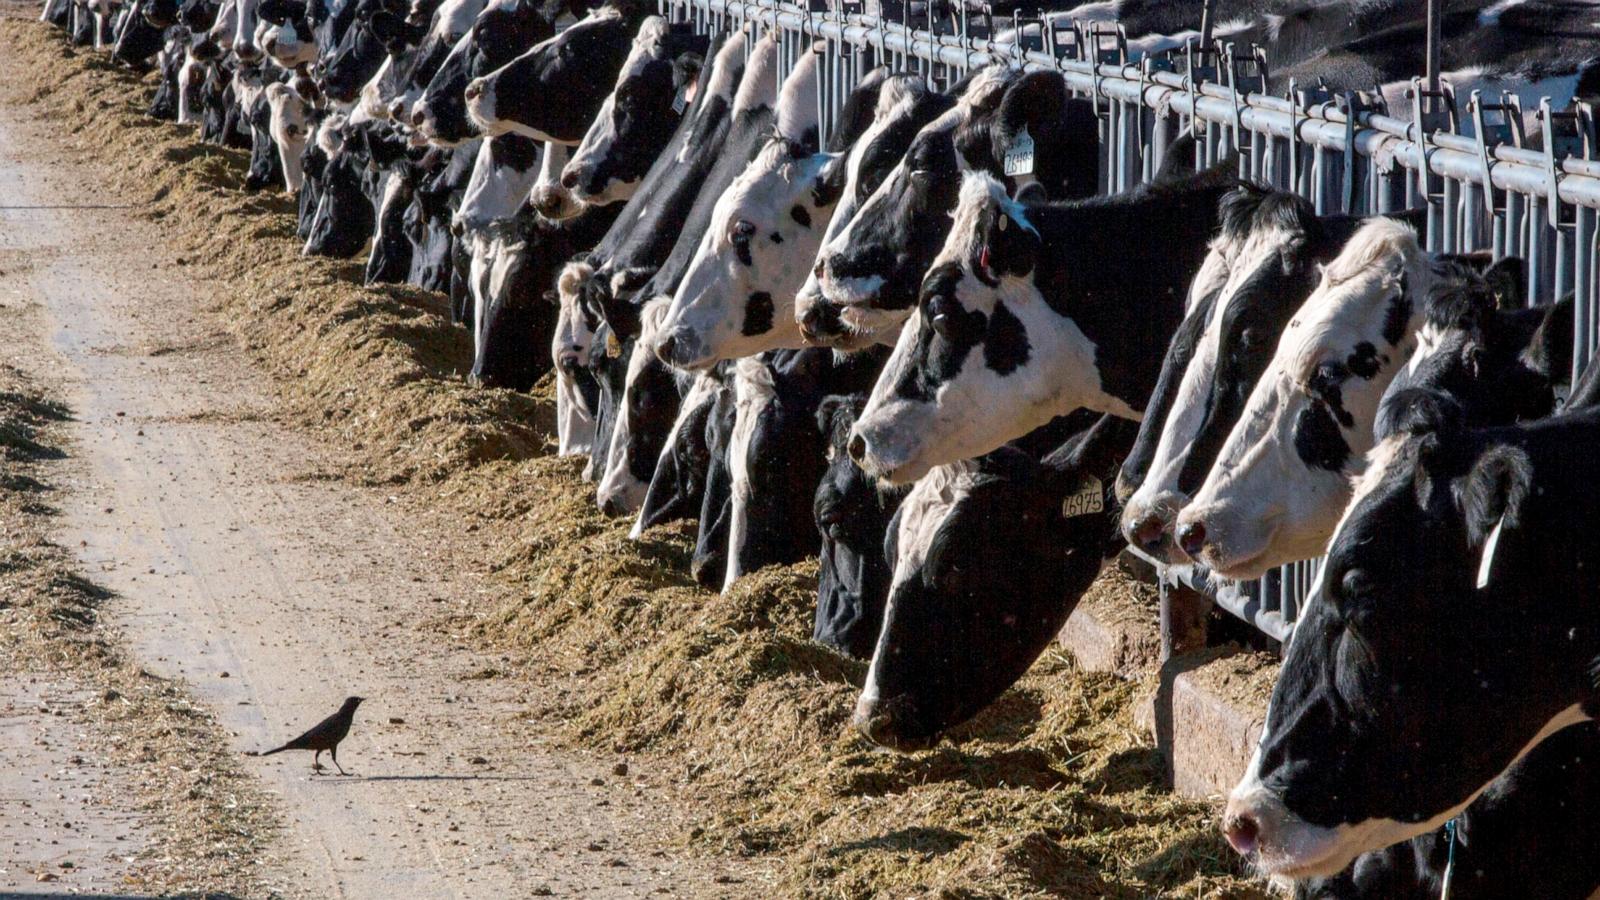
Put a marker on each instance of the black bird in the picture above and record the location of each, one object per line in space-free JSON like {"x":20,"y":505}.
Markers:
{"x":325,"y":735}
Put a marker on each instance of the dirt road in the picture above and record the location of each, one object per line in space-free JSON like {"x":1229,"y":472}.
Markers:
{"x":276,"y":592}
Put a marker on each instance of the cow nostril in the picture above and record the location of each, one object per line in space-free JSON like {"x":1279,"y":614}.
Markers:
{"x":1148,"y":532}
{"x":569,"y":179}
{"x":418,"y":116}
{"x":474,"y":90}
{"x":858,"y":448}
{"x":810,"y":318}
{"x":667,"y":347}
{"x":821,"y":270}
{"x":1243,"y":832}
{"x":1192,"y":538}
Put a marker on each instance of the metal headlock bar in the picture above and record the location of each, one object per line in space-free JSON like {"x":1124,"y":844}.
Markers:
{"x":1346,"y":153}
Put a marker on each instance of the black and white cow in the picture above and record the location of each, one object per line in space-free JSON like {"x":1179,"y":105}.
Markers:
{"x":446,"y":173}
{"x":1452,"y":630}
{"x":871,"y":270}
{"x":1494,"y":364}
{"x":554,"y":90}
{"x":344,"y":217}
{"x":506,"y":169}
{"x":678,"y":482}
{"x":1529,"y":835}
{"x":290,"y":123}
{"x":752,"y":119}
{"x":266,"y":162}
{"x":654,"y":89}
{"x":450,"y":24}
{"x":169,"y":63}
{"x":389,"y":258}
{"x":577,"y":393}
{"x":735,"y":300}
{"x":1282,"y":477}
{"x":905,"y":105}
{"x":286,"y":33}
{"x":502,"y":31}
{"x":644,"y":419}
{"x":709,"y":564}
{"x":964,"y":620}
{"x":376,"y":31}
{"x":1262,"y":266}
{"x":1021,"y":320}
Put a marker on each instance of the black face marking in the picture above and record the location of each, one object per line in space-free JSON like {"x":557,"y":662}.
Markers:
{"x":777,"y":238}
{"x":741,"y":250}
{"x":1399,"y":313}
{"x":1317,"y":438}
{"x":1364,"y":362}
{"x":800,"y":215}
{"x":757,"y":314}
{"x":1006,"y":348}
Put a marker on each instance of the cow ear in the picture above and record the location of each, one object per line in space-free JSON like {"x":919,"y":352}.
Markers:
{"x":1032,"y":193}
{"x":1508,"y":282}
{"x":386,"y":26}
{"x":1496,"y":489}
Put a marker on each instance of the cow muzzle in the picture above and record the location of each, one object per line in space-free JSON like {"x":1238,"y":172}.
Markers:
{"x":884,"y":722}
{"x":1258,"y":825}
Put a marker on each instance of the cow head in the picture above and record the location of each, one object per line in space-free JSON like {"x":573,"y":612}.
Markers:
{"x":266,"y":160}
{"x":1496,"y":361}
{"x":978,"y":326}
{"x":904,"y":105}
{"x":553,"y":91}
{"x":377,"y":33}
{"x":1281,"y":478}
{"x":654,"y":89}
{"x":872,"y":268}
{"x":648,"y":407}
{"x":1449,"y":634}
{"x":291,"y":130}
{"x":678,"y":483}
{"x":734,"y":299}
{"x":963,"y":620}
{"x":502,"y":31}
{"x":284,"y":33}
{"x":1266,"y":256}
{"x":852,"y":511}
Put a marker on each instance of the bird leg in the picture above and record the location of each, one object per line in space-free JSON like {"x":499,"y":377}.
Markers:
{"x":316,"y":765}
{"x":334,"y":753}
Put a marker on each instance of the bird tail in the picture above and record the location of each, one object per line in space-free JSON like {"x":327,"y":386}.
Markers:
{"x":274,"y":750}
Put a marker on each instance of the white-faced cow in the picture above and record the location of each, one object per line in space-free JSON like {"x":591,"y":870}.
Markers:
{"x":654,"y":89}
{"x":735,"y":299}
{"x":1452,"y":630}
{"x":1021,"y":320}
{"x":1262,"y":267}
{"x":1282,"y":477}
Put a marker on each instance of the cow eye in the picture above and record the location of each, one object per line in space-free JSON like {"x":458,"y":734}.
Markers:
{"x":944,"y":314}
{"x":742,"y":231}
{"x":1355,"y":584}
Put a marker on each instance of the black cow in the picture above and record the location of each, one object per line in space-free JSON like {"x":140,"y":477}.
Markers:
{"x":516,"y":301}
{"x":1480,"y":350}
{"x":1453,"y":629}
{"x":428,"y":226}
{"x":777,"y":457}
{"x":852,"y":513}
{"x":964,"y":620}
{"x":1531,"y":834}
{"x":375,"y":32}
{"x":678,"y":483}
{"x":343,"y":219}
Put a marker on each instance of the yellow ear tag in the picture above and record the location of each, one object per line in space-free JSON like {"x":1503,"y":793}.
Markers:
{"x":1087,"y":500}
{"x":613,"y":346}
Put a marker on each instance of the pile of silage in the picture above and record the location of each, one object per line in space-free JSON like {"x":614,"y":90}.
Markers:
{"x":1052,"y":791}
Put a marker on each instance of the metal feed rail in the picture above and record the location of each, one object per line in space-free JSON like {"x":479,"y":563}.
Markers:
{"x":1484,"y":188}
